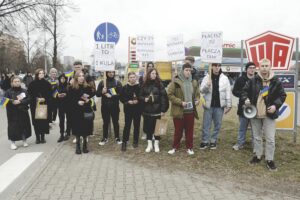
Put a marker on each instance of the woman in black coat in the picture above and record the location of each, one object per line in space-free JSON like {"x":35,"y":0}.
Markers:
{"x":40,"y":91}
{"x":80,"y":99}
{"x":155,"y":103}
{"x":19,"y":127}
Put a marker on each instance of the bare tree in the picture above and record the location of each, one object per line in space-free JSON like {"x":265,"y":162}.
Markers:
{"x":54,"y":15}
{"x":13,"y":10}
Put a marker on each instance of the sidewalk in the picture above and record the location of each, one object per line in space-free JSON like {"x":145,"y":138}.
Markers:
{"x":91,"y":176}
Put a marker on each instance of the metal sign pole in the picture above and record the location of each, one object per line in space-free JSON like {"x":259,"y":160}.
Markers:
{"x":296,"y":89}
{"x":242,"y":56}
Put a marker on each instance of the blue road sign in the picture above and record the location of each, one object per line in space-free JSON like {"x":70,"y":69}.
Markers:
{"x":107,"y":32}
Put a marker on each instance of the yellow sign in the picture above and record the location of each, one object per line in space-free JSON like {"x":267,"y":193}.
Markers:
{"x":286,"y":117}
{"x":164,"y":69}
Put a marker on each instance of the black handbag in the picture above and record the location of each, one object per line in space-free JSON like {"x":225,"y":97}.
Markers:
{"x":89,"y":116}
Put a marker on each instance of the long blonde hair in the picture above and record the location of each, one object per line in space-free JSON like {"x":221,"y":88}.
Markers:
{"x":75,"y":83}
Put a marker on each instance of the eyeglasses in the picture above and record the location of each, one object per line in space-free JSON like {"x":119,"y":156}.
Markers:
{"x":265,"y":65}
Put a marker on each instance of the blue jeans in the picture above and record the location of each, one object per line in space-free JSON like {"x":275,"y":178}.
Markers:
{"x":213,"y":114}
{"x":242,"y":130}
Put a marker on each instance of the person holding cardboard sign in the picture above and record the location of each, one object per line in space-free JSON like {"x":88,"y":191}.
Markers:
{"x":217,"y":94}
{"x":110,"y":90}
{"x":184,"y":95}
{"x":155,"y":103}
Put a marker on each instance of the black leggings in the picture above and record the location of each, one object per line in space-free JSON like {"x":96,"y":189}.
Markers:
{"x":149,"y":127}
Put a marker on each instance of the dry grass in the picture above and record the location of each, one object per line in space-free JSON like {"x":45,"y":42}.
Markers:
{"x":223,"y":163}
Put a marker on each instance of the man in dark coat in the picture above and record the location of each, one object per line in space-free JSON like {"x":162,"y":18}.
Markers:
{"x":237,"y":91}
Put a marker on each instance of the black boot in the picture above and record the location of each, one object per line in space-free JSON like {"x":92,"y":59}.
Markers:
{"x":78,"y":150}
{"x":124,"y":144}
{"x":61,"y":138}
{"x":43,"y":138}
{"x":38,"y":138}
{"x":84,"y":147}
{"x":67,"y":136}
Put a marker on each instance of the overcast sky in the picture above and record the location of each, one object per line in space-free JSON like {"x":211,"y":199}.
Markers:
{"x":238,"y":19}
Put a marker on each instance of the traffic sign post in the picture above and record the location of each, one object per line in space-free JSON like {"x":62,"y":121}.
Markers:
{"x":107,"y":32}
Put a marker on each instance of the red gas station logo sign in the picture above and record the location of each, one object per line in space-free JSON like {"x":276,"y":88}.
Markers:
{"x":273,"y":46}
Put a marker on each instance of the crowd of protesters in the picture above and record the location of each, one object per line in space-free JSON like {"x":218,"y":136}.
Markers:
{"x":71,"y":97}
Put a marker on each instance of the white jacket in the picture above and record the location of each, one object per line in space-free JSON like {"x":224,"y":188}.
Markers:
{"x":224,"y":90}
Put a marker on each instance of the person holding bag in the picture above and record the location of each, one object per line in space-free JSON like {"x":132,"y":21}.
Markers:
{"x":19,"y":127}
{"x":80,"y":98}
{"x":155,"y":103}
{"x":40,"y":92}
{"x":184,"y":95}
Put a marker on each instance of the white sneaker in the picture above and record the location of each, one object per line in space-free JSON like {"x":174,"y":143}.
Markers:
{"x":237,"y":147}
{"x":156,"y":146}
{"x":190,"y":151}
{"x":172,"y":151}
{"x":103,"y":142}
{"x":13,"y":146}
{"x":144,"y":137}
{"x":25,"y":144}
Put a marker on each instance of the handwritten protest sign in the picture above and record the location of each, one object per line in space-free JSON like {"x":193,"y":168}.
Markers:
{"x":105,"y":56}
{"x":145,"y":48}
{"x":211,"y":47}
{"x":175,"y":48}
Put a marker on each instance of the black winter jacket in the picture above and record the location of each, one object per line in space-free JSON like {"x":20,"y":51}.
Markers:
{"x":237,"y":91}
{"x":127,"y":94}
{"x":110,"y":83}
{"x":160,"y":102}
{"x":276,"y":95}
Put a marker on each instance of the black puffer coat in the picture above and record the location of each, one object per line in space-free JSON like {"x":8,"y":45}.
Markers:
{"x":160,"y":102}
{"x":276,"y":95}
{"x":17,"y":115}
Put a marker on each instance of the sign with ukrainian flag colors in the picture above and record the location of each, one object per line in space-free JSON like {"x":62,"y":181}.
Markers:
{"x":286,"y":117}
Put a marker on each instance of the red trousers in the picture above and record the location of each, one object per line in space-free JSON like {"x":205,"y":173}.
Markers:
{"x":187,"y":124}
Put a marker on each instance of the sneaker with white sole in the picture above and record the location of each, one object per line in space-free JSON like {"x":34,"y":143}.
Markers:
{"x":190,"y":152}
{"x":118,"y":141}
{"x":237,"y":147}
{"x":25,"y":144}
{"x":144,"y":137}
{"x":172,"y":151}
{"x":103,"y":141}
{"x":13,"y":146}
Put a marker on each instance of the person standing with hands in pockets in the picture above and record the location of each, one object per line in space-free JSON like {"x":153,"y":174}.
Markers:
{"x":216,"y":90}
